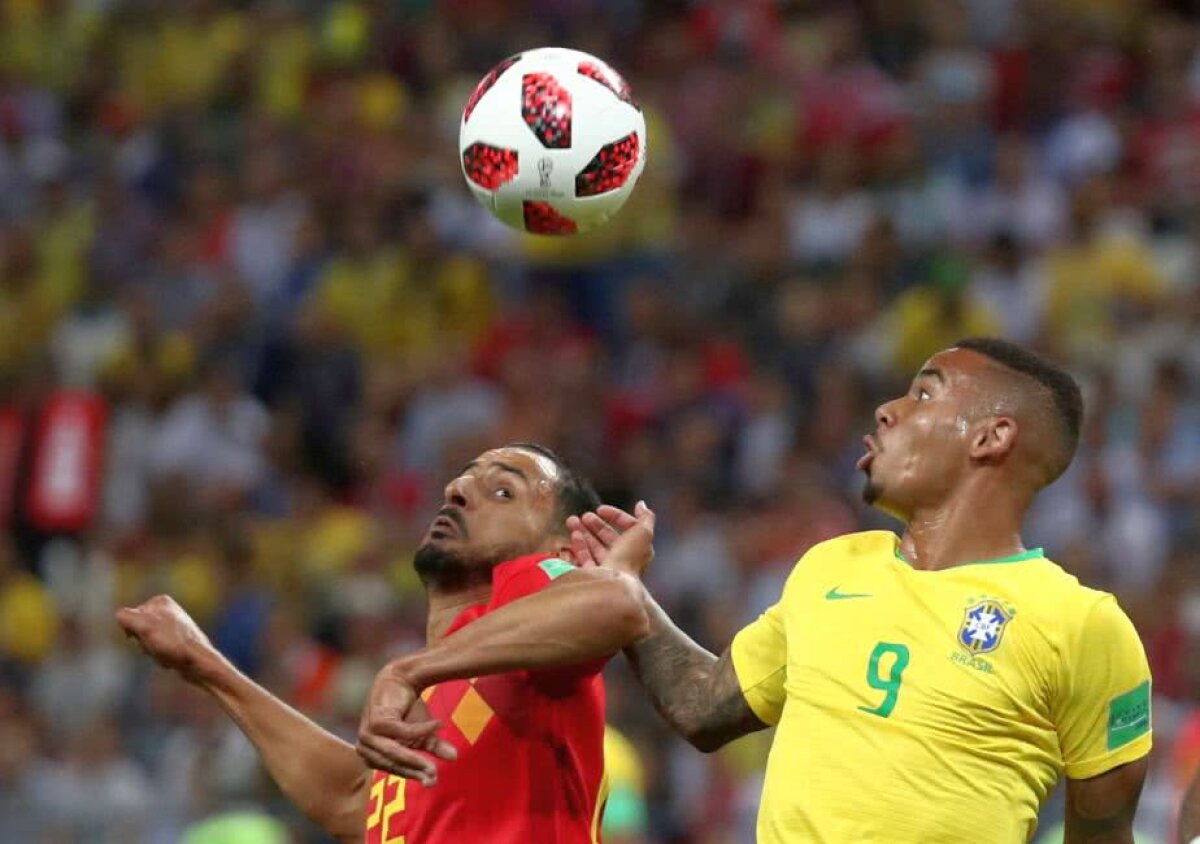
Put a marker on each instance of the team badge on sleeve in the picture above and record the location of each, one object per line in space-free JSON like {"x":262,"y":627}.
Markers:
{"x":983,"y":625}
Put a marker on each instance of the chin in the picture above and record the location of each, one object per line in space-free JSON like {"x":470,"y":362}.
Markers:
{"x":873,"y":495}
{"x":450,"y":563}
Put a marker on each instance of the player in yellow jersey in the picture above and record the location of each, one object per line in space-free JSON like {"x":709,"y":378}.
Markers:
{"x":930,"y":687}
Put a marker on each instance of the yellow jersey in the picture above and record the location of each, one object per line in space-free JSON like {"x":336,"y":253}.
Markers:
{"x":935,"y":706}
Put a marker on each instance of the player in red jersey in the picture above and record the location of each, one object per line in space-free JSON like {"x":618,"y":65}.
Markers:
{"x":528,"y":737}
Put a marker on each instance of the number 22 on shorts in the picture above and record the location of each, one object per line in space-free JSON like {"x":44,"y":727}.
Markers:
{"x":889,"y":682}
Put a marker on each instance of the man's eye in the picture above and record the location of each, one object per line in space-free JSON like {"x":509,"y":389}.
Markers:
{"x":504,"y":492}
{"x":922,"y":394}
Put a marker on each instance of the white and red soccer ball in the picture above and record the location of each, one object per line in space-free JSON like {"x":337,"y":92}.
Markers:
{"x":552,"y":141}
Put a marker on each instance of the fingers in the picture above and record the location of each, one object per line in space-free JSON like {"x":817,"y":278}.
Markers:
{"x":600,"y":529}
{"x":441,"y":748}
{"x":617,"y":517}
{"x":379,"y":747}
{"x":579,"y":547}
{"x":634,"y":551}
{"x":637,"y":537}
{"x":596,"y":549}
{"x":580,"y":550}
{"x":593,"y":535}
{"x":394,"y":758}
{"x":645,"y":516}
{"x":133,"y":622}
{"x":127,"y":618}
{"x":432,"y":743}
{"x":408,"y":733}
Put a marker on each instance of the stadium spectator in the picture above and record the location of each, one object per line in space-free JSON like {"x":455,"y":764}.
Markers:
{"x":243,"y":225}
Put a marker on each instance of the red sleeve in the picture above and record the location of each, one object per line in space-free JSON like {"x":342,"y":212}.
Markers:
{"x":523,"y":576}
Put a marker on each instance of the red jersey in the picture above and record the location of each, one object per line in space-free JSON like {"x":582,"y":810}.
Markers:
{"x":530,"y":767}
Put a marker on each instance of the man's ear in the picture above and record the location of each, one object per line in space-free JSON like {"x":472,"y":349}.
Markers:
{"x":994,"y":439}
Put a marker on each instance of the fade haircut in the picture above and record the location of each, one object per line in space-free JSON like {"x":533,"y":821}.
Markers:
{"x":576,"y":495}
{"x":1065,"y":398}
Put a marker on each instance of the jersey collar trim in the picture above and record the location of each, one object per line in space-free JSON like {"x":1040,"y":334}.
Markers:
{"x":1031,"y":554}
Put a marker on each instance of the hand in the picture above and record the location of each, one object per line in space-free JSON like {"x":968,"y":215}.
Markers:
{"x":396,"y":731}
{"x":165,"y":631}
{"x":612,"y":538}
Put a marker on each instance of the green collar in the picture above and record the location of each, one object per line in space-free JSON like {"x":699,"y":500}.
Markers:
{"x":1032,"y":554}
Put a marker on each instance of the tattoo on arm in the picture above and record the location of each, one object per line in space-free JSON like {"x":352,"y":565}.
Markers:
{"x":694,"y":691}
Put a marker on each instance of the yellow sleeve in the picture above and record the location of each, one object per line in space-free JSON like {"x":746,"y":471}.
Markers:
{"x":1103,"y":711}
{"x":759,"y":652}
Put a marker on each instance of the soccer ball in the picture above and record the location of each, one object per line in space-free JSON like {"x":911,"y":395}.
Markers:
{"x":552,"y":141}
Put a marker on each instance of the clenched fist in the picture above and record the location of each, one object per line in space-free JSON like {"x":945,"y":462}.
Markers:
{"x":168,"y":634}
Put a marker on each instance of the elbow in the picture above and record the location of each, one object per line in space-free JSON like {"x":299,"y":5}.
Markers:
{"x":340,"y":812}
{"x":704,"y":740}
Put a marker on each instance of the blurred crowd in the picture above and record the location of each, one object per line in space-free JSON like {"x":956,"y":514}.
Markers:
{"x":251,"y":321}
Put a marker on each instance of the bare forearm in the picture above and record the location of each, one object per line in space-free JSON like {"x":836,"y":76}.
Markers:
{"x":694,"y":691}
{"x":318,"y":772}
{"x":566,"y":624}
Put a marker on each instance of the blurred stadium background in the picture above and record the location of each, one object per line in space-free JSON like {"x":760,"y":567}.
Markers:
{"x":251,"y":320}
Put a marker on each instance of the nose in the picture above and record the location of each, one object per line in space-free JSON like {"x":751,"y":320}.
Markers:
{"x":457,"y":492}
{"x":885,"y":415}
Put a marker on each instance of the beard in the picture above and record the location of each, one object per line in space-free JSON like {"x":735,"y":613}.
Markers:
{"x":445,"y":570}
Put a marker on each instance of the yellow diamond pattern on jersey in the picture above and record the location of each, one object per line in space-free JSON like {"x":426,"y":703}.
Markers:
{"x":472,"y":714}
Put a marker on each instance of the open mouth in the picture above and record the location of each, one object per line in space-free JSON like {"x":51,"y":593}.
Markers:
{"x":445,"y":526}
{"x":865,"y":461}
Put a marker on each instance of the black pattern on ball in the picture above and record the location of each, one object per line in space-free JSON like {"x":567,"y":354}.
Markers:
{"x":624,"y":93}
{"x":546,"y":109}
{"x":610,"y":168}
{"x":487,"y":83}
{"x":489,"y":166}
{"x":544,"y":218}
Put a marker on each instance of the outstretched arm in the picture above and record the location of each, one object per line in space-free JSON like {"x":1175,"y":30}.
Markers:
{"x":696,"y":692}
{"x":584,"y":615}
{"x":317,"y":771}
{"x":1100,"y":810}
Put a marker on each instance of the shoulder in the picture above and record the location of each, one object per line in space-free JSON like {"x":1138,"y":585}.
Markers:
{"x":843,"y":554}
{"x":1070,"y":612}
{"x":869,"y":544}
{"x":545,"y":566}
{"x":1061,"y":593}
{"x":522,"y":576}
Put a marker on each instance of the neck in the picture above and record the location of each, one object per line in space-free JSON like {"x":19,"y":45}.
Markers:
{"x":444,"y":607}
{"x":965,"y":529}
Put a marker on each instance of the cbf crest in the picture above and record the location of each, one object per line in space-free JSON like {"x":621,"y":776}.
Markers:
{"x":983,"y":625}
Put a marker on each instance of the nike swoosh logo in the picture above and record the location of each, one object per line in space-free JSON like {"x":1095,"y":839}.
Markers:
{"x":834,"y":595}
